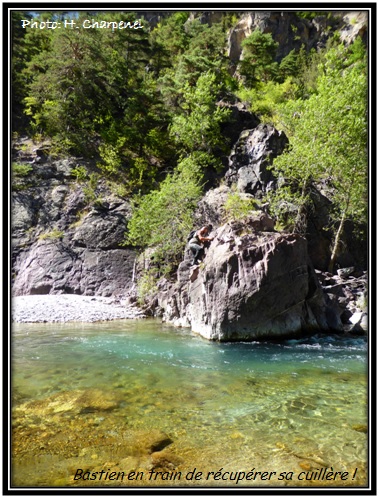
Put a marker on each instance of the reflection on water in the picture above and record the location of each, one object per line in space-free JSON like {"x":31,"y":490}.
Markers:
{"x":138,"y":395}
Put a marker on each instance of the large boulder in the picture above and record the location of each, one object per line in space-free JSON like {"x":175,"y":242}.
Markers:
{"x":251,"y":285}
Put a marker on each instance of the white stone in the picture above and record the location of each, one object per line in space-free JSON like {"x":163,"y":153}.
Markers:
{"x":356,"y":318}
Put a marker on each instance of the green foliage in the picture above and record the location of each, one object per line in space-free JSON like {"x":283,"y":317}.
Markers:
{"x":119,"y":164}
{"x":21,"y":170}
{"x":307,"y":14}
{"x":20,"y":174}
{"x":113,"y":94}
{"x":229,"y":20}
{"x":238,"y":207}
{"x":290,"y":64}
{"x":18,"y":62}
{"x":80,"y":173}
{"x":111,"y":157}
{"x":53,"y":234}
{"x":119,"y":189}
{"x":258,"y":63}
{"x":82,"y":84}
{"x":198,"y":126}
{"x":147,"y":286}
{"x":265,"y":98}
{"x":162,"y":219}
{"x":203,"y":51}
{"x":328,"y":141}
{"x":356,"y":53}
{"x":171,"y":37}
{"x":89,"y":189}
{"x":311,"y":66}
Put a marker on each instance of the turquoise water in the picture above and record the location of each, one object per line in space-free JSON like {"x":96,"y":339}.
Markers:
{"x":300,"y":404}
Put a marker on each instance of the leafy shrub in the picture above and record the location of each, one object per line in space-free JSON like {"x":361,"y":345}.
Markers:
{"x":163,"y":218}
{"x":80,"y":173}
{"x":311,"y":15}
{"x":238,"y":207}
{"x":264,"y":99}
{"x":89,"y":190}
{"x":147,"y":286}
{"x":21,"y":170}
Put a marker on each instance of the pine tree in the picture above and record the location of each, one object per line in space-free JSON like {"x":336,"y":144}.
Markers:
{"x":258,"y":63}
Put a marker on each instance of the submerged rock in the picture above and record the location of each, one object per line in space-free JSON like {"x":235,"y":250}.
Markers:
{"x":147,"y":442}
{"x":74,"y":402}
{"x":250,"y":285}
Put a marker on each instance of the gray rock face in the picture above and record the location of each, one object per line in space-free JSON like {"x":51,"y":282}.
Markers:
{"x":59,"y":244}
{"x":249,"y":286}
{"x":290,"y":32}
{"x":240,"y":119}
{"x":285,"y":28}
{"x":251,"y":156}
{"x":57,"y":267}
{"x":354,"y":24}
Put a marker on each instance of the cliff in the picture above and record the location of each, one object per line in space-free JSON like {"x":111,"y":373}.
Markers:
{"x":62,"y":241}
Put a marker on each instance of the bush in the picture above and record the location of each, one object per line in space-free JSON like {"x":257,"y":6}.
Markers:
{"x":21,"y":170}
{"x":265,"y":98}
{"x":238,"y":207}
{"x":147,"y":286}
{"x":80,"y":173}
{"x":163,"y":218}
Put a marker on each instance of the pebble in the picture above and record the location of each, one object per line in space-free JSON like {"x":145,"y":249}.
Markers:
{"x":52,"y":308}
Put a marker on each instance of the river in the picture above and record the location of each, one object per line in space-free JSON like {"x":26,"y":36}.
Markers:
{"x":141,"y":396}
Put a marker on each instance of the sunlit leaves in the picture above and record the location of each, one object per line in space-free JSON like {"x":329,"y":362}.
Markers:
{"x":328,"y":138}
{"x":198,"y":126}
{"x":162,"y":219}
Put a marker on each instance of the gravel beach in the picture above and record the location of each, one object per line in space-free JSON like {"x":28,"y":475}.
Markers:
{"x":70,"y":308}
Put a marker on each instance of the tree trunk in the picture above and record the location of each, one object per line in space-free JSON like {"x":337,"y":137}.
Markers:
{"x":336,"y":242}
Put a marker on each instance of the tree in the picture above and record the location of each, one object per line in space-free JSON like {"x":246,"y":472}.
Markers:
{"x":289,"y":65}
{"x":328,"y":141}
{"x":198,"y":125}
{"x":203,"y":51}
{"x":171,"y":35}
{"x":162,"y":219}
{"x":25,"y":44}
{"x":258,"y":63}
{"x":87,"y":83}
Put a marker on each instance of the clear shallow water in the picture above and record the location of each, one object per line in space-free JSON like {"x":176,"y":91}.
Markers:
{"x":286,"y":407}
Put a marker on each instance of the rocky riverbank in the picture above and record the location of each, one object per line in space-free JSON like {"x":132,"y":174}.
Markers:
{"x":70,"y":308}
